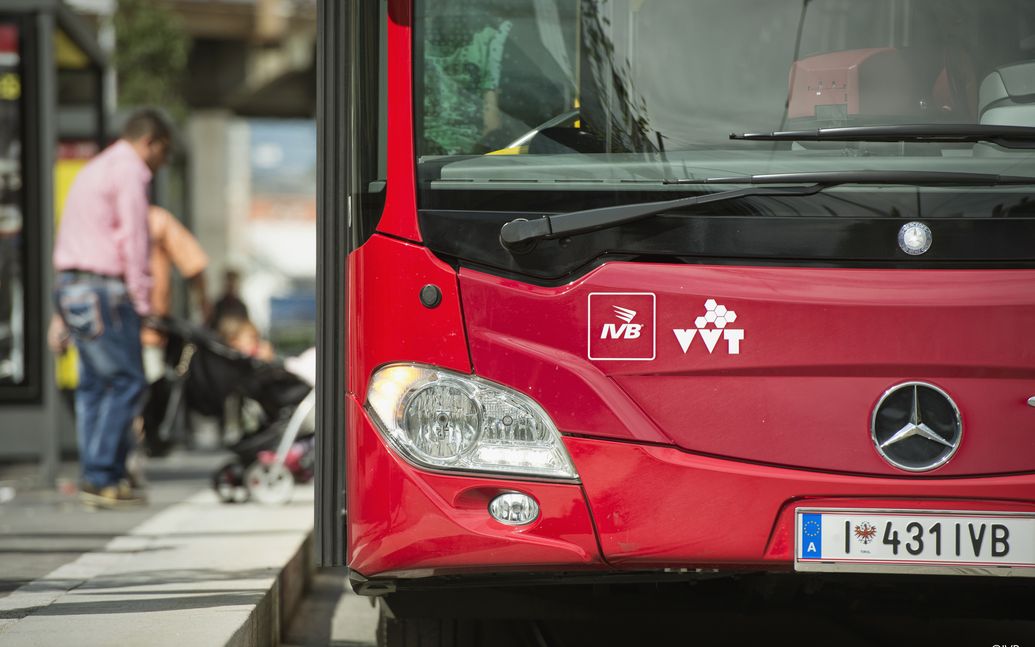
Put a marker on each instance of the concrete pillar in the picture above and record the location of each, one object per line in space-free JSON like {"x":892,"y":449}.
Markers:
{"x":220,"y":188}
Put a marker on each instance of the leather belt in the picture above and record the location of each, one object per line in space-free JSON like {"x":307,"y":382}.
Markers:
{"x":86,"y":274}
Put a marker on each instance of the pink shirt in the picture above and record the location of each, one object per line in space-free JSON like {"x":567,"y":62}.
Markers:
{"x":104,"y":226}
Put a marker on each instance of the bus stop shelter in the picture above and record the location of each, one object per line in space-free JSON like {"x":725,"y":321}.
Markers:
{"x":52,"y":70}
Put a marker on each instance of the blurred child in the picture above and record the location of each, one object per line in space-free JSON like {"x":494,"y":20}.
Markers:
{"x":242,"y":335}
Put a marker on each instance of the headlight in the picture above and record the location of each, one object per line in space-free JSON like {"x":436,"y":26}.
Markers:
{"x":440,"y":419}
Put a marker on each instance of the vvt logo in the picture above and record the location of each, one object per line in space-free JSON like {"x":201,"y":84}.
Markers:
{"x":621,"y":326}
{"x":719,"y":317}
{"x":627,"y":330}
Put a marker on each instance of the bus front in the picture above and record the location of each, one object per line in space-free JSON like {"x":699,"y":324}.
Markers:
{"x":655,"y":289}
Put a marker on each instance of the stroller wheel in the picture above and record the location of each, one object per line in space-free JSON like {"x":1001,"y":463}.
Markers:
{"x":228,"y":482}
{"x":269,"y":483}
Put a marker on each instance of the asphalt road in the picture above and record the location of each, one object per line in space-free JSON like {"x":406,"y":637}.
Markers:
{"x":331,"y":614}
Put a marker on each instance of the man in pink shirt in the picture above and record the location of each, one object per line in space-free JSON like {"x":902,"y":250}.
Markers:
{"x":103,"y":291}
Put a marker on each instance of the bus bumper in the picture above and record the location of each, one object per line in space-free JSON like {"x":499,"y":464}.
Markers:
{"x":639,"y":508}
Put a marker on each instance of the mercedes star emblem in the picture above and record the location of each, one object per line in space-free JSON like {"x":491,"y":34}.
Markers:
{"x":916,"y":427}
{"x":915,"y":238}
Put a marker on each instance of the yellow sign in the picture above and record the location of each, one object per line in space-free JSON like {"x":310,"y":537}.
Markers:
{"x":68,"y":54}
{"x":67,"y":365}
{"x":10,"y":87}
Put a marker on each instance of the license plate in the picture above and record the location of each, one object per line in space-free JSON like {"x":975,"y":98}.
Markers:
{"x":869,"y":540}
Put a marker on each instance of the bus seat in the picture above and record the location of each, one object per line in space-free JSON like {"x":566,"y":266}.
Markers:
{"x":1007,"y":96}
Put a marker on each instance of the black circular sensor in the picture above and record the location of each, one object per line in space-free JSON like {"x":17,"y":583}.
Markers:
{"x":430,"y":296}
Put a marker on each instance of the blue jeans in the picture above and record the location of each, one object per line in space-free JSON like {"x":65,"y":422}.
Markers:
{"x":106,"y":330}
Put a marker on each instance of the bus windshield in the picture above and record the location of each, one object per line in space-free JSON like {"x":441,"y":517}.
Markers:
{"x":591,"y":92}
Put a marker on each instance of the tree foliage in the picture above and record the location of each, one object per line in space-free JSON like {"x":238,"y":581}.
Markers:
{"x":151,"y":50}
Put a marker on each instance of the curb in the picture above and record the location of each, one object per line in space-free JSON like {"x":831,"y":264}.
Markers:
{"x":266,"y":624}
{"x":198,"y":573}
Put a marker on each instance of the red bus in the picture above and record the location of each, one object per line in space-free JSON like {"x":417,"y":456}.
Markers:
{"x":574,"y":331}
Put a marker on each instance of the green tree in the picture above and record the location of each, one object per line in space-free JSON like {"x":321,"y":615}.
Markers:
{"x":151,"y":48}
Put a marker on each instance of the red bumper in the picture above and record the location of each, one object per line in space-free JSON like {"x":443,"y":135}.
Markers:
{"x":644,"y":507}
{"x":659,"y":506}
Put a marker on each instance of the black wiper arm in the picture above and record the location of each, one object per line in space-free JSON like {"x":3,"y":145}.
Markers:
{"x":1005,"y":136}
{"x":519,"y":235}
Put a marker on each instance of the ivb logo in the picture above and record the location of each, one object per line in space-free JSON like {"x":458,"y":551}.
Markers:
{"x":621,"y":326}
{"x":627,"y":330}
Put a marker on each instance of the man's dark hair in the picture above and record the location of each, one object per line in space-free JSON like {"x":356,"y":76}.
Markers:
{"x":147,"y":122}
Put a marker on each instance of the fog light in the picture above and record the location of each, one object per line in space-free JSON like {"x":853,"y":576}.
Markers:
{"x":514,"y":509}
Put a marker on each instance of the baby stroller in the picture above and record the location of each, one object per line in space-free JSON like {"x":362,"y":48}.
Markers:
{"x":278,"y":449}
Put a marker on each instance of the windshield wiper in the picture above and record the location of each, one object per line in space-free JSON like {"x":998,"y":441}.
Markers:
{"x":519,"y":235}
{"x":1005,"y":136}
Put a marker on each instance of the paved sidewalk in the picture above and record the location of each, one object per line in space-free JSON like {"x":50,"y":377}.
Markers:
{"x":185,"y":570}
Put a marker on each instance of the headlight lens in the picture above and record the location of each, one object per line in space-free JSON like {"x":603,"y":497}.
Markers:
{"x":440,"y":419}
{"x":443,"y":419}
